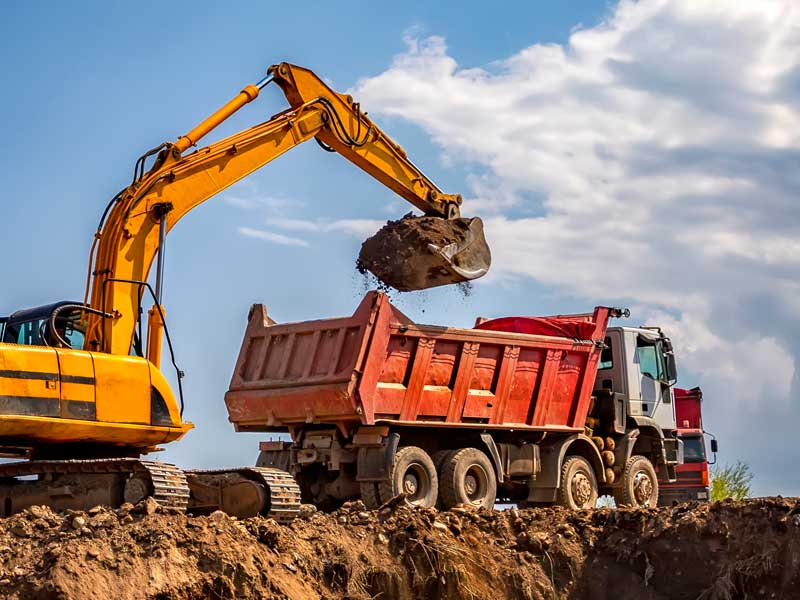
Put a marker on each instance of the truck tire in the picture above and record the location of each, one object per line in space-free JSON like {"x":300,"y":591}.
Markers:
{"x":467,"y":477}
{"x":639,"y":485}
{"x":439,"y":457}
{"x":370,"y":495}
{"x":415,"y":475}
{"x":578,"y":486}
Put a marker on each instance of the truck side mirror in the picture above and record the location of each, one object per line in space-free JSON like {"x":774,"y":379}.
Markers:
{"x":671,"y":366}
{"x":714,"y":446}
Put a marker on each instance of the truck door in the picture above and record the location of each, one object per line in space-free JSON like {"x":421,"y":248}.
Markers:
{"x":655,"y":391}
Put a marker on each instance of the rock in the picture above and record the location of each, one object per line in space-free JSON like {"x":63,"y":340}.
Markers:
{"x":95,"y":509}
{"x":125,"y":508}
{"x":383,"y":539}
{"x":37,"y":512}
{"x":21,"y":529}
{"x":92,"y":552}
{"x":440,"y":526}
{"x":78,"y":522}
{"x":289,"y":566}
{"x":306,"y":510}
{"x":148,"y":506}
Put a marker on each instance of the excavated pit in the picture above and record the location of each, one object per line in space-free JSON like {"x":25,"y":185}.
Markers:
{"x":400,"y":254}
{"x":727,"y":550}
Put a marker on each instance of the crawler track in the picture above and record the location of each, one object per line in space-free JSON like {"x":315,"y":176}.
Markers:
{"x":284,"y":493}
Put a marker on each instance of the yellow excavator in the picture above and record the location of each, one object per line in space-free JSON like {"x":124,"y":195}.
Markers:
{"x":82,"y":396}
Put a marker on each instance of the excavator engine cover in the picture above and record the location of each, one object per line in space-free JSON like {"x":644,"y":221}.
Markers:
{"x":416,"y":253}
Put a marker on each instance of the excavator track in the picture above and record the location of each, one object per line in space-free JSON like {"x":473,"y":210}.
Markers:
{"x":70,"y":483}
{"x":283,"y":491}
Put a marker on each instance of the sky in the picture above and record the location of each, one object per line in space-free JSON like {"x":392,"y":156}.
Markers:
{"x":639,"y":154}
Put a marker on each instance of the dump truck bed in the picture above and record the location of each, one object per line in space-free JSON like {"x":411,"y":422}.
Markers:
{"x":378,"y":367}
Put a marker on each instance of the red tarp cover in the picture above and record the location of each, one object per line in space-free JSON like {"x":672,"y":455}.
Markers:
{"x":578,"y":327}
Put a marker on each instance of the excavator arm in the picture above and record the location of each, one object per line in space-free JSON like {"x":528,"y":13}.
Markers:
{"x":136,"y":222}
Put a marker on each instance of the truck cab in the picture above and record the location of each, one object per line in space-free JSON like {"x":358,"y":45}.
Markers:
{"x":638,"y":362}
{"x":692,"y":484}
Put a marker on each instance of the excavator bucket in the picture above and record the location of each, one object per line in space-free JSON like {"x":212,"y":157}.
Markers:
{"x":416,"y":253}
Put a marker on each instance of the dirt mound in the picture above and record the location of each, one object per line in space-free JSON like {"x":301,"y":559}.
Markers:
{"x":404,"y":254}
{"x":727,"y":550}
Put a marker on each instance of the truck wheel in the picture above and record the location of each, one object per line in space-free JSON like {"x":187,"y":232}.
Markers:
{"x":578,"y":487}
{"x":639,"y":484}
{"x":468,"y":477}
{"x":414,"y":475}
{"x":370,"y":495}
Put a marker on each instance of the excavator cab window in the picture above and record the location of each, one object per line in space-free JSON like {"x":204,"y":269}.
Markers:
{"x":26,"y":333}
{"x":31,"y":327}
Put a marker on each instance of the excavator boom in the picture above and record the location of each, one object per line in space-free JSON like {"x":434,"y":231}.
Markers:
{"x":142,"y":214}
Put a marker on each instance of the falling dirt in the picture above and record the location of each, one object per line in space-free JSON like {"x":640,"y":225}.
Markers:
{"x":726,"y":550}
{"x":399,"y":255}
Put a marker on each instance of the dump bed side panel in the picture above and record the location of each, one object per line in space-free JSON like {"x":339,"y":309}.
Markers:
{"x":449,"y":376}
{"x":298,"y":372}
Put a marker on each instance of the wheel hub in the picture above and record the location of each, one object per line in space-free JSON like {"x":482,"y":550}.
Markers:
{"x":642,"y":488}
{"x":470,"y":484}
{"x":410,"y":484}
{"x":581,"y":489}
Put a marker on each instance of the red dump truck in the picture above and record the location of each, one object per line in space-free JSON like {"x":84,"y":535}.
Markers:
{"x":692,"y":476}
{"x":521,"y":409}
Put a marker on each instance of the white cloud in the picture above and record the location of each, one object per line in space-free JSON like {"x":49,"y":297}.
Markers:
{"x":361,"y":228}
{"x":270,"y":236}
{"x":652,"y":159}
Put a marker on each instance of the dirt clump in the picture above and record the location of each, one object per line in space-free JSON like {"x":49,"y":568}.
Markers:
{"x":719,"y":551}
{"x":404,"y":254}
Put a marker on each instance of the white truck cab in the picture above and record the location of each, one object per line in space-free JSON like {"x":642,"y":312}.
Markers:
{"x":638,"y":363}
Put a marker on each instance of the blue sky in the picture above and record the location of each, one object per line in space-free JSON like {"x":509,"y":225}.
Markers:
{"x":632,"y":97}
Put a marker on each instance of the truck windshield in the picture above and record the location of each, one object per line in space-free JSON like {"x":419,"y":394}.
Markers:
{"x":694,"y":449}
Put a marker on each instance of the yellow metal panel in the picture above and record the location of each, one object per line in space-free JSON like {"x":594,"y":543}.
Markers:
{"x":51,"y":431}
{"x":123,"y":388}
{"x":28,"y":380}
{"x":77,"y":384}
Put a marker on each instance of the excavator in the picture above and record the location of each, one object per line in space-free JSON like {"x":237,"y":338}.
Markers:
{"x":82,"y":396}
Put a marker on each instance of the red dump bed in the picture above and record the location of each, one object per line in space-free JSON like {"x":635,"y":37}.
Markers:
{"x":688,"y":408}
{"x":379,"y":367}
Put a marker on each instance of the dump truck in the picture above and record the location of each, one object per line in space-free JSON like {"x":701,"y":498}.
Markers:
{"x":692,"y":476}
{"x":528,"y":410}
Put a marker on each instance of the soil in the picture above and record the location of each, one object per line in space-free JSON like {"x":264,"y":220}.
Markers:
{"x":748,"y":549}
{"x":398,"y":255}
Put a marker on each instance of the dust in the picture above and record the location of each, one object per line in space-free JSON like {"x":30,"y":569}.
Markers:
{"x":727,"y":550}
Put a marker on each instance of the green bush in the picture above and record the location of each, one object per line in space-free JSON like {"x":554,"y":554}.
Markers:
{"x":731,"y":481}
